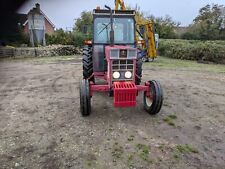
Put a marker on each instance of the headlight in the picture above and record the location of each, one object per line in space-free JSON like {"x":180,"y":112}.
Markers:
{"x":128,"y":74}
{"x":116,"y":75}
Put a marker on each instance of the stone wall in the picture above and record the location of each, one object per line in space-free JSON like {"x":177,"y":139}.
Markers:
{"x":53,"y":50}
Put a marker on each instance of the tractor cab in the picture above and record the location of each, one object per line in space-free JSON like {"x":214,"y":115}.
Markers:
{"x":115,"y":28}
{"x":123,"y":26}
{"x":112,"y":56}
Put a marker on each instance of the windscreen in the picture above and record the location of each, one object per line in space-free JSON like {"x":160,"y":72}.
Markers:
{"x":123,"y":30}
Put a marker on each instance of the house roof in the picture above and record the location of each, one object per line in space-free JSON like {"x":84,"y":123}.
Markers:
{"x":45,"y":18}
{"x":22,"y":18}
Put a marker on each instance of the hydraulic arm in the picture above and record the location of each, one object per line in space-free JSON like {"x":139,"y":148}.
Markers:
{"x":145,"y":35}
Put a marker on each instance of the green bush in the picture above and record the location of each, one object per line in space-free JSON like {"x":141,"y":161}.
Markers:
{"x":212,"y":51}
{"x":59,"y":37}
{"x":79,"y":38}
{"x":67,"y":38}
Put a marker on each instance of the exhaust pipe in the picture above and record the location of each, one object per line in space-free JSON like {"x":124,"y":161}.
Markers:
{"x":111,"y":23}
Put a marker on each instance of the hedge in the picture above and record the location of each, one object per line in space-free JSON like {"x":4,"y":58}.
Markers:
{"x":206,"y":51}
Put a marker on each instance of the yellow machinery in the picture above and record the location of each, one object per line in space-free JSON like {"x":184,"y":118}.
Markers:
{"x":145,"y":37}
{"x":121,"y":4}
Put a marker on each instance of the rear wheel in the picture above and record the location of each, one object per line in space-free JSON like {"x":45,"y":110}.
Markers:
{"x":87,"y":63}
{"x":138,"y":72}
{"x":85,"y":99}
{"x":154,"y":99}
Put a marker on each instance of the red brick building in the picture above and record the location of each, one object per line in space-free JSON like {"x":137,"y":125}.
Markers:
{"x":49,"y":26}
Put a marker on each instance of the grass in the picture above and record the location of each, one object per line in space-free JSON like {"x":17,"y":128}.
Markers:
{"x":172,"y":116}
{"x":170,"y":119}
{"x":117,"y":152}
{"x":140,"y":152}
{"x":130,"y":138}
{"x":186,"y":148}
{"x":161,"y":146}
{"x":169,"y":63}
{"x":176,"y":155}
{"x":183,"y":149}
{"x":179,"y":150}
{"x":144,"y":151}
{"x":130,"y":160}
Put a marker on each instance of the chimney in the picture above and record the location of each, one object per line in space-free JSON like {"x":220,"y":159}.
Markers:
{"x":38,"y":7}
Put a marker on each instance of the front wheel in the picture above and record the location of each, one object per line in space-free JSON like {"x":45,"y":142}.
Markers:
{"x":85,"y":99}
{"x":154,"y":99}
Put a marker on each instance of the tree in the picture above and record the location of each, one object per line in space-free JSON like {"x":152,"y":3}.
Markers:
{"x":164,"y":26}
{"x":86,"y":18}
{"x":60,"y":37}
{"x":76,"y":37}
{"x":209,"y":24}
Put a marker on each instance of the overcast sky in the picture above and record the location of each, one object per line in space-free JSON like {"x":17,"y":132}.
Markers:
{"x":63,"y":12}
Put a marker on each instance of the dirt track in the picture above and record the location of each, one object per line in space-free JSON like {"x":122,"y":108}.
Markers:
{"x":41,"y":126}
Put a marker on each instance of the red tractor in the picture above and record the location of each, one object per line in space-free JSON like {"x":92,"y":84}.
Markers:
{"x":113,"y":57}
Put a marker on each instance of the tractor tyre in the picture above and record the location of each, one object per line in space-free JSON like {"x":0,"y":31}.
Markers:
{"x":153,"y":102}
{"x":147,"y":59}
{"x":143,"y":59}
{"x":87,"y":63}
{"x":138,"y":72}
{"x":85,"y":99}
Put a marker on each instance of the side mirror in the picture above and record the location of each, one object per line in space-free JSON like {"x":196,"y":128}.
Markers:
{"x":84,"y":29}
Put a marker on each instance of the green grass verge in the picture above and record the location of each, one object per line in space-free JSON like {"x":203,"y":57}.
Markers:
{"x":169,"y":63}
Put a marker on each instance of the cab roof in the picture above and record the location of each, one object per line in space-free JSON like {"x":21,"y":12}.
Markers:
{"x":114,"y":12}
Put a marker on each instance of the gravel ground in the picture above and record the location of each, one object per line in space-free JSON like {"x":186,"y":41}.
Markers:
{"x":41,"y":126}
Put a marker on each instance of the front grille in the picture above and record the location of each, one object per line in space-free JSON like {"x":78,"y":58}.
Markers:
{"x":122,"y":66}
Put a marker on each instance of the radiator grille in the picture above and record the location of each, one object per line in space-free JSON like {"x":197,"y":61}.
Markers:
{"x":122,"y":66}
